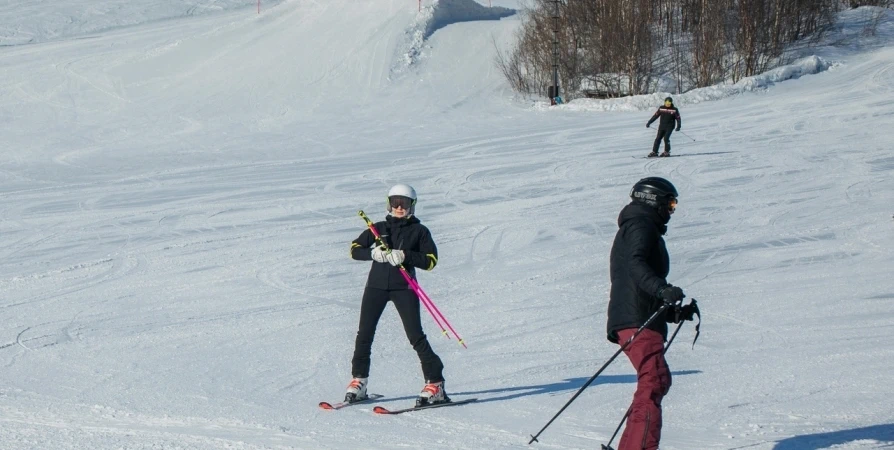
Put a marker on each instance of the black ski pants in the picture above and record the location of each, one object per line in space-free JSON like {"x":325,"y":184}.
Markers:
{"x":663,"y":133}
{"x":407,"y":304}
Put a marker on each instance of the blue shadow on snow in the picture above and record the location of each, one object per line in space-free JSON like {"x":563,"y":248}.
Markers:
{"x":884,"y":433}
{"x":568,"y":384}
{"x":448,"y":12}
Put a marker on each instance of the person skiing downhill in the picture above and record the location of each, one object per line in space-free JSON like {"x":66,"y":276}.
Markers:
{"x":639,"y":265}
{"x":410,"y":245}
{"x":667,"y":116}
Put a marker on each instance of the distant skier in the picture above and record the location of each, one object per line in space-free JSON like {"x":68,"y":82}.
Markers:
{"x":638,"y":266}
{"x":411,"y":244}
{"x":668,"y":115}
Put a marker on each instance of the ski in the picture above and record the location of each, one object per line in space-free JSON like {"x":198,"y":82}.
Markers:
{"x":340,"y":405}
{"x":656,"y":157}
{"x":381,"y":410}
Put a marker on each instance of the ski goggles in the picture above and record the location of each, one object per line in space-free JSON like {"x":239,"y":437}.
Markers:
{"x":672,"y":204}
{"x":399,"y":201}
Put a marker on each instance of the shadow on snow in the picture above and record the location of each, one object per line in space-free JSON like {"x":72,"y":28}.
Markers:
{"x":882,"y":433}
{"x":455,"y":11}
{"x":568,"y":384}
{"x":704,"y":153}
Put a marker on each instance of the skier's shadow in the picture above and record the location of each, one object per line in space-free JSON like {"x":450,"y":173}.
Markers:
{"x":568,"y":384}
{"x":703,"y":153}
{"x":880,"y":433}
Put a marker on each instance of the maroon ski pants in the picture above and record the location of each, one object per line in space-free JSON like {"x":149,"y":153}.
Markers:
{"x":653,"y":380}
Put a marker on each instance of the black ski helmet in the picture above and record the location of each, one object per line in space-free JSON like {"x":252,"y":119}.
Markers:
{"x":655,"y":192}
{"x":668,"y":99}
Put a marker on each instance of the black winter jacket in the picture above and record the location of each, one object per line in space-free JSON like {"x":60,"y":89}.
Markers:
{"x":669,"y":116}
{"x":639,"y":265}
{"x":406,"y":234}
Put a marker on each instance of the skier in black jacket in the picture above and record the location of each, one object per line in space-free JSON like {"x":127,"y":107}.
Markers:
{"x":639,"y":266}
{"x":668,"y":115}
{"x":412,"y":246}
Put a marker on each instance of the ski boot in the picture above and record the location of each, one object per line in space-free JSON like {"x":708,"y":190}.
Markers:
{"x":664,"y":154}
{"x":432,"y":394}
{"x":356,"y":390}
{"x":652,"y":155}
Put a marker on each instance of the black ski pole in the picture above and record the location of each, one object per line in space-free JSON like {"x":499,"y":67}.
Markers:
{"x":690,"y":137}
{"x":694,"y":305}
{"x":627,"y":414}
{"x":623,"y":347}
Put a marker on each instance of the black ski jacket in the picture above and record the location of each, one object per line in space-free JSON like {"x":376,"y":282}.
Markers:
{"x":639,"y":264}
{"x":668,"y":115}
{"x":406,"y":234}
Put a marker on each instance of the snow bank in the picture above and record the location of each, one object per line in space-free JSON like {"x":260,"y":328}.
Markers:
{"x":850,"y":33}
{"x":805,"y":66}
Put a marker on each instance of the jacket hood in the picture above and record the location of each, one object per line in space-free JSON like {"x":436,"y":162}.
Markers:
{"x":636,"y":210}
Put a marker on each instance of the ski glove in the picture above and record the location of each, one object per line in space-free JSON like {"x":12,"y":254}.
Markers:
{"x":378,"y":255}
{"x":648,"y":124}
{"x":671,"y":294}
{"x":395,"y":257}
{"x":678,"y":129}
{"x":679,"y":313}
{"x":688,"y":312}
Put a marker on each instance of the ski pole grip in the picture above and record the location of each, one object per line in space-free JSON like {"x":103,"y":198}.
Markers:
{"x":372,"y":228}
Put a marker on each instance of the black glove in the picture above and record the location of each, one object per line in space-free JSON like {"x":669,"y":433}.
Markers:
{"x":647,"y":125}
{"x":671,"y":294}
{"x":678,"y":129}
{"x":678,"y":313}
{"x":688,"y":312}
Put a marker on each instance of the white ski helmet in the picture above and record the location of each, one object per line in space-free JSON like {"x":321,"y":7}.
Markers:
{"x":402,"y":190}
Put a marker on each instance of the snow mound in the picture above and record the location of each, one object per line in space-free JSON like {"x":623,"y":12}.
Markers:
{"x":440,"y":14}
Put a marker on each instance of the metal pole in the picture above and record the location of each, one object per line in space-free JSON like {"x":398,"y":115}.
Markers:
{"x":556,"y":51}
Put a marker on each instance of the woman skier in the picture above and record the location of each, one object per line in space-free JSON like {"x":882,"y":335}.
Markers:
{"x":410,"y":245}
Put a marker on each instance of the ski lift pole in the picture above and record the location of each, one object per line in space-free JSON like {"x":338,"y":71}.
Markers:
{"x":414,"y":285}
{"x":579,"y":391}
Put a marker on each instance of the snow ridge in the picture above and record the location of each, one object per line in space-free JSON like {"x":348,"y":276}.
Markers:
{"x":437,"y":15}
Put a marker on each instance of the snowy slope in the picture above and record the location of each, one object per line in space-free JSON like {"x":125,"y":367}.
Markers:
{"x":179,"y":189}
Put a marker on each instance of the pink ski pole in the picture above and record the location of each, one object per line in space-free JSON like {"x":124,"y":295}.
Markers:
{"x":410,"y":282}
{"x":421,"y":293}
{"x":423,"y":297}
